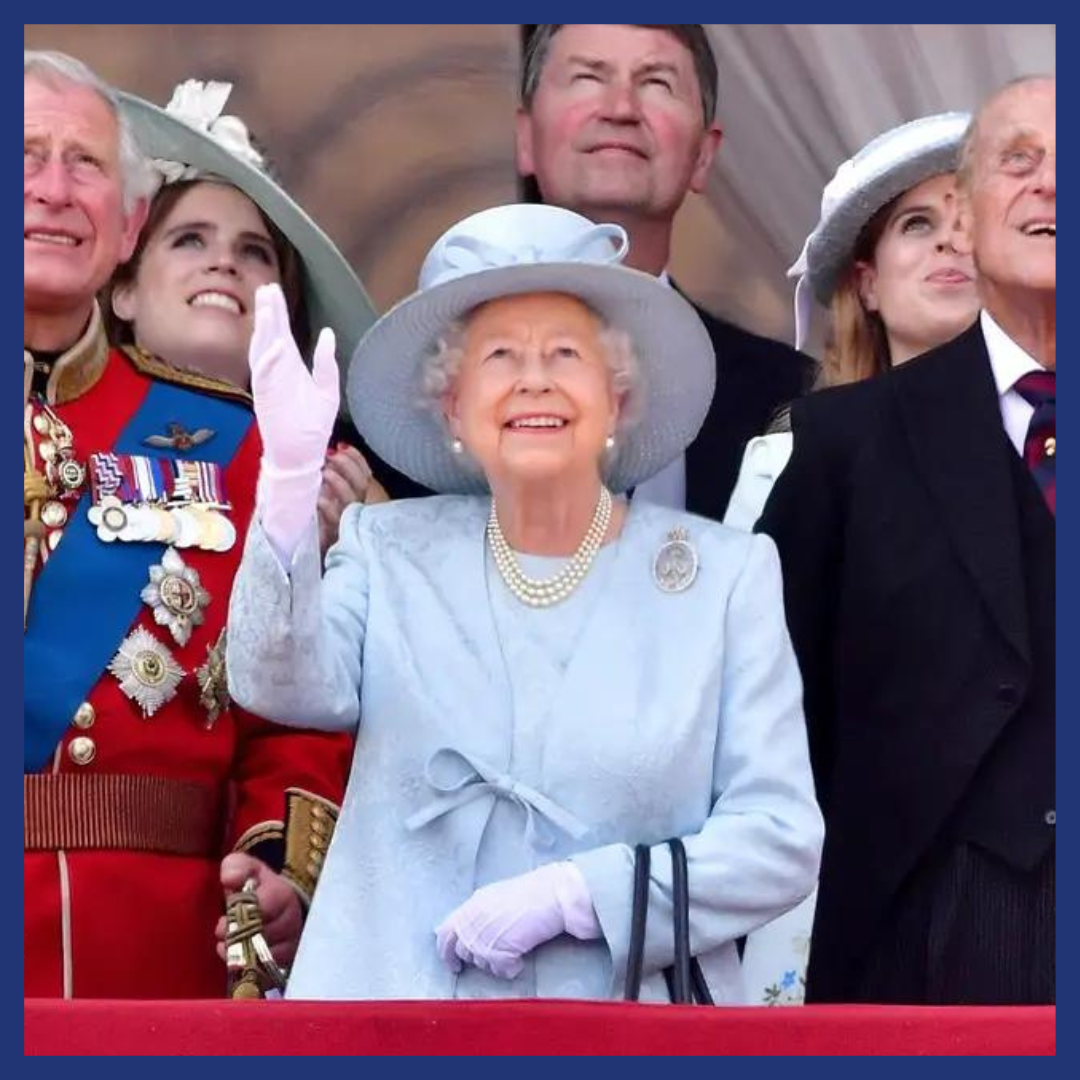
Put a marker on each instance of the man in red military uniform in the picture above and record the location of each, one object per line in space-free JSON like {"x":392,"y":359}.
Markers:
{"x":140,"y":775}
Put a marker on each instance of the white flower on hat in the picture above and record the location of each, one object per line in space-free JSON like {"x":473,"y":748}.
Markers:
{"x":198,"y":104}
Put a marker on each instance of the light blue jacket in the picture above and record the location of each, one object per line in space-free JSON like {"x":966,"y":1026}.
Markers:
{"x":680,"y":714}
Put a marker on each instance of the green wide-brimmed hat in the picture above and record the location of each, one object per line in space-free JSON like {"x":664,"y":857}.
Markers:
{"x":190,"y":138}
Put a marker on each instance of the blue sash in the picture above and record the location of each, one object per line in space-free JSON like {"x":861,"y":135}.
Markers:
{"x":86,"y":596}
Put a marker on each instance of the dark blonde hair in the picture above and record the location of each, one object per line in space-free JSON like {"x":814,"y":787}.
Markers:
{"x":858,"y":347}
{"x":120,"y":331}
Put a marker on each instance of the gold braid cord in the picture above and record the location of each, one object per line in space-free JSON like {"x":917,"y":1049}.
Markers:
{"x":35,"y":491}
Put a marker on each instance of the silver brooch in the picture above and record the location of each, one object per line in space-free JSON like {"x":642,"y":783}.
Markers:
{"x":676,"y":563}
{"x":176,"y":596}
{"x":147,"y":673}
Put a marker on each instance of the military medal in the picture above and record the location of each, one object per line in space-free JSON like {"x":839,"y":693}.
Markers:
{"x":162,"y":500}
{"x":213,"y":682}
{"x":146,"y":671}
{"x":54,"y":514}
{"x":62,"y":468}
{"x":176,"y":596}
{"x":676,"y":563}
{"x":109,"y":518}
{"x":72,"y":474}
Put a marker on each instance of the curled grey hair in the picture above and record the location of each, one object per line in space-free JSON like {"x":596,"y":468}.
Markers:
{"x":441,"y":368}
{"x":53,"y":68}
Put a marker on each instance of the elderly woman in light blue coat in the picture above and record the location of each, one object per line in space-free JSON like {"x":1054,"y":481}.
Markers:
{"x":541,"y":674}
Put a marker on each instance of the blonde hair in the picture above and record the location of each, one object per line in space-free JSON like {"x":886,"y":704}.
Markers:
{"x":857,"y":347}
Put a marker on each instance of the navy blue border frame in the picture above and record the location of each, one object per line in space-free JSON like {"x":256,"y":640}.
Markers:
{"x":1069,"y":573}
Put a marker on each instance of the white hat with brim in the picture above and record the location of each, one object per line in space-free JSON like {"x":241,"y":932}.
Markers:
{"x":889,"y":165}
{"x":335,"y":297}
{"x":508,"y":251}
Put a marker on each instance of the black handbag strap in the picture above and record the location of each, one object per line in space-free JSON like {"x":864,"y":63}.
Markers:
{"x":687,"y":984}
{"x":638,"y":914}
{"x":679,"y":985}
{"x":685,"y":979}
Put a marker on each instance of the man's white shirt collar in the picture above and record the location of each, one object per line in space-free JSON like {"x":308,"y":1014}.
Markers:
{"x":1009,"y":362}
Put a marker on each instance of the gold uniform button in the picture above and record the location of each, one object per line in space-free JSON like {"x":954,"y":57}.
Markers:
{"x":84,"y":716}
{"x":1050,"y":446}
{"x":82,"y":750}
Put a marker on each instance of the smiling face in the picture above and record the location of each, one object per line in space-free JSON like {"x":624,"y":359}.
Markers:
{"x":533,"y":398}
{"x":192,"y":299}
{"x":75,"y":229}
{"x":616,"y":123}
{"x":918,"y":283}
{"x":1011,"y":199}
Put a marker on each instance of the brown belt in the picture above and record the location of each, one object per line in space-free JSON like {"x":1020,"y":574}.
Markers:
{"x":129,"y":813}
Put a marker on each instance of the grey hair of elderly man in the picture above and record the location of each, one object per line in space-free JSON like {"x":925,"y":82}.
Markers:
{"x":55,"y":68}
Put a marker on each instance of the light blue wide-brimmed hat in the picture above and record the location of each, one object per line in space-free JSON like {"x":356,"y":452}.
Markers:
{"x":886,"y":167}
{"x":508,"y":251}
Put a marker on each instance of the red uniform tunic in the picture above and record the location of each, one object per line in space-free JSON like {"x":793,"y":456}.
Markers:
{"x":115,"y":922}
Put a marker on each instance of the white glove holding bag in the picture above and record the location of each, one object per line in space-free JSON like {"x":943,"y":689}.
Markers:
{"x":502,"y":922}
{"x":295,"y":410}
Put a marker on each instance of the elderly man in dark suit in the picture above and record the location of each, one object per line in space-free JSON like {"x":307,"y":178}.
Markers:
{"x":618,"y":123}
{"x":917,"y":532}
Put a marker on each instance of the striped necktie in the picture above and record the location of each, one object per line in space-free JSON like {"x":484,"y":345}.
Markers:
{"x":1040,"y":446}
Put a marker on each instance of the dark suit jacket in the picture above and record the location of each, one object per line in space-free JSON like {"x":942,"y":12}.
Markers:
{"x":897,"y":522}
{"x":755,"y":378}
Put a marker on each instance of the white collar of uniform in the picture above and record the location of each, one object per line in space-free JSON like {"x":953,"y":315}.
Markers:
{"x":1008,"y":361}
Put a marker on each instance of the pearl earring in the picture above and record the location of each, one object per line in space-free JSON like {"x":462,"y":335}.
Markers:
{"x":609,"y":442}
{"x":457,"y":446}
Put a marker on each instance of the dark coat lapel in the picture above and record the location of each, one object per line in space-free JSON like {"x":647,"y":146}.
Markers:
{"x":949,"y":405}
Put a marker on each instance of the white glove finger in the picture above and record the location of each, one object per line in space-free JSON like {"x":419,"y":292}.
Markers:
{"x":267,"y":368}
{"x":266,"y":317}
{"x":464,"y":953}
{"x":272,"y":298}
{"x":506,"y":965}
{"x":445,"y":940}
{"x":324,"y":368}
{"x":262,"y":333}
{"x":481,"y":963}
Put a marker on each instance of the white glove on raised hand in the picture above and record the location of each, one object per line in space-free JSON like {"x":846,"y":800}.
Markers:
{"x":295,"y":410}
{"x":503,"y":921}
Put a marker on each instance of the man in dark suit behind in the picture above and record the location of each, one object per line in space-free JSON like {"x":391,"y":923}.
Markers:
{"x":916,"y":527}
{"x":617,"y":123}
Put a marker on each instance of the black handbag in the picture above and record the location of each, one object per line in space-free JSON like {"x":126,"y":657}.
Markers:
{"x":685,"y":980}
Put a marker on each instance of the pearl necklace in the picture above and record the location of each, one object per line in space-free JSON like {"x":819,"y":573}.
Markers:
{"x":537,"y":593}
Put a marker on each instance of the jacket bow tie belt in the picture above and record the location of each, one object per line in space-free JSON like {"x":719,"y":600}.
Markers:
{"x":459,"y":778}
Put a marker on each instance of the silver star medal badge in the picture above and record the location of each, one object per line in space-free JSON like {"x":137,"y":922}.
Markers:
{"x":176,"y":596}
{"x":147,"y":673}
{"x":676,"y":564}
